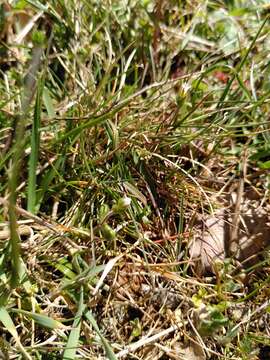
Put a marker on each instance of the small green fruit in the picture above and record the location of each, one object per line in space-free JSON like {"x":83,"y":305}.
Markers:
{"x":107,"y":232}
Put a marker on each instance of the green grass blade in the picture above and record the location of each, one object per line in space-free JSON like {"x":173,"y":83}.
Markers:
{"x":109,"y":352}
{"x":33,"y":160}
{"x":19,"y":144}
{"x":73,"y":339}
{"x":47,"y":100}
{"x":40,"y":319}
{"x":85,"y":276}
{"x":47,"y":180}
{"x":9,"y":325}
{"x":241,"y":64}
{"x":65,"y":267}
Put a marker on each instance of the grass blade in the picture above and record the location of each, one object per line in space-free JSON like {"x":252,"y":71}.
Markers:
{"x":109,"y":352}
{"x":241,"y":64}
{"x":9,"y":325}
{"x":15,"y":241}
{"x":41,"y":319}
{"x":73,"y":339}
{"x":33,"y":160}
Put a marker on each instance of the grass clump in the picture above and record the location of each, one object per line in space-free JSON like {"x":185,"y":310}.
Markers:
{"x":126,"y":127}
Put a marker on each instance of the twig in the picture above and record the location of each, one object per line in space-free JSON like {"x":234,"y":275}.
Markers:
{"x":145,"y":341}
{"x":53,"y":227}
{"x":237,"y":210}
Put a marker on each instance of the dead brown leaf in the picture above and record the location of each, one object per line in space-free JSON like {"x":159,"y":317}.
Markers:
{"x":191,"y":351}
{"x":210,"y":241}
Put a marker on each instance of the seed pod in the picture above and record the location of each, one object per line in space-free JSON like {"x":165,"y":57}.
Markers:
{"x":107,"y":232}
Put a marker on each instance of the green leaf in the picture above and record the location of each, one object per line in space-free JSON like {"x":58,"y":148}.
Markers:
{"x":74,"y":336}
{"x":40,"y":319}
{"x":136,"y":327}
{"x":132,"y":190}
{"x":84,"y":277}
{"x":33,"y":160}
{"x":48,"y":178}
{"x":109,"y":352}
{"x":65,"y":267}
{"x":9,"y":325}
{"x":265,"y":165}
{"x":38,"y":38}
{"x":48,"y":102}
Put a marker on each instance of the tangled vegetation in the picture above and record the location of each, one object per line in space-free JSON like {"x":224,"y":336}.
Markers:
{"x":126,"y":127}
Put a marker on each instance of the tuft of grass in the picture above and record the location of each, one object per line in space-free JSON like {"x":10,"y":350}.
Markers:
{"x":124,"y":126}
